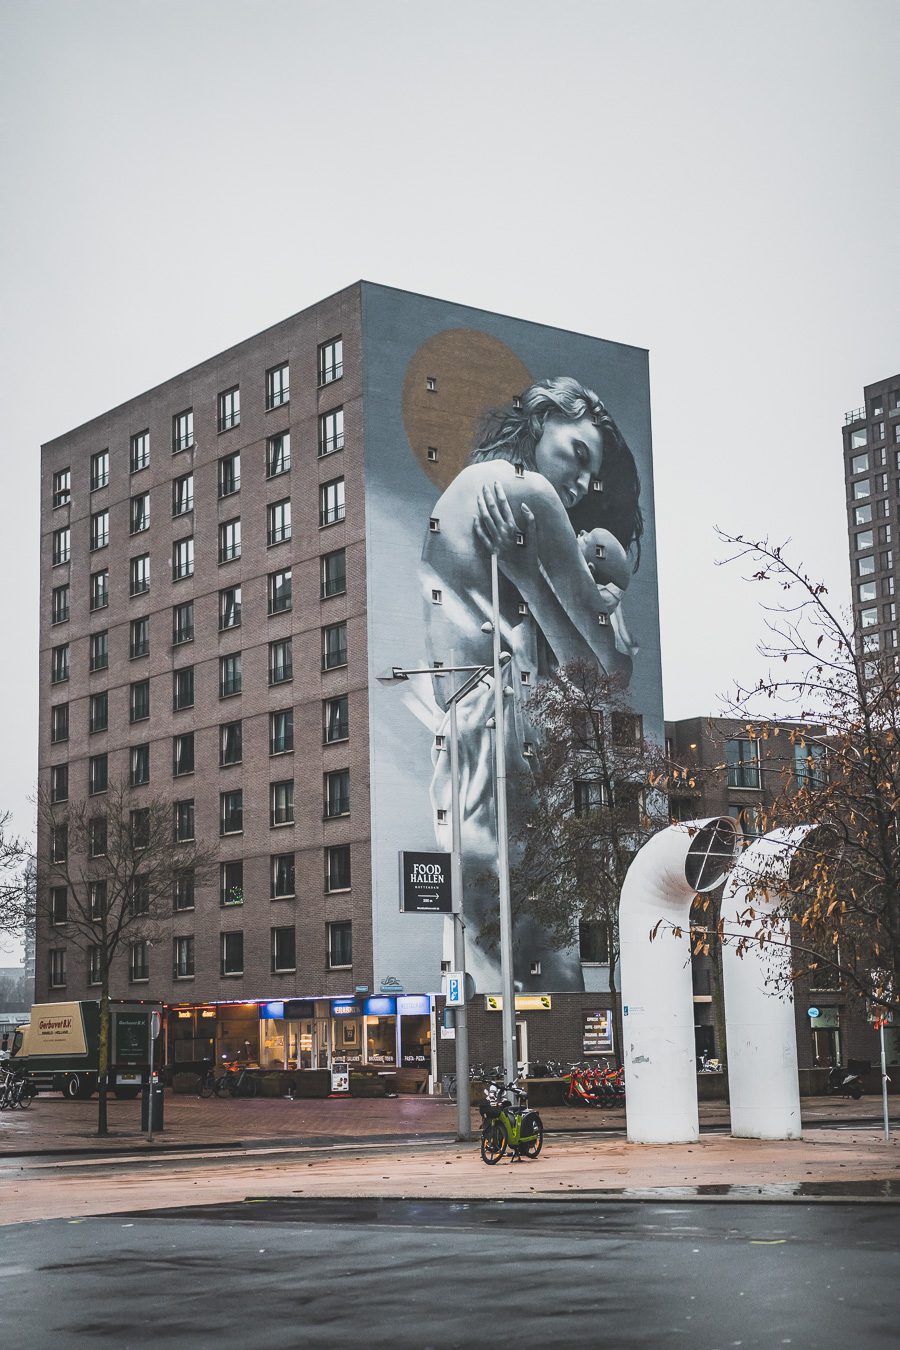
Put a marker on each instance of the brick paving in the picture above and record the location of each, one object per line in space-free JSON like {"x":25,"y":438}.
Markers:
{"x":55,"y":1125}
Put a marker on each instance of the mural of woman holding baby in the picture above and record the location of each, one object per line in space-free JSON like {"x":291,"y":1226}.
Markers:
{"x":552,"y":487}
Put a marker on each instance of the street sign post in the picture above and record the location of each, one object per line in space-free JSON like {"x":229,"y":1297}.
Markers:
{"x":456,"y":989}
{"x":155,"y":1025}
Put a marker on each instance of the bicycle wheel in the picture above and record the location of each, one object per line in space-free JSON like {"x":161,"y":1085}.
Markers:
{"x":451,"y":1089}
{"x":250,"y":1087}
{"x":493,"y":1143}
{"x":25,"y":1097}
{"x":222,"y":1086}
{"x":533,"y":1147}
{"x":207,"y":1087}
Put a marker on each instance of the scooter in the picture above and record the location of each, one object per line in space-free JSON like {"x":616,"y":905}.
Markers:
{"x":841,"y":1081}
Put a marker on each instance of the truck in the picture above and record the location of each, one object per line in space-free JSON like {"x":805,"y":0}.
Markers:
{"x":59,"y":1047}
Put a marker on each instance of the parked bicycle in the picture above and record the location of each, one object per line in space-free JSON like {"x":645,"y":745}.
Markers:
{"x":16,"y":1090}
{"x":236,"y":1081}
{"x":508,"y":1123}
{"x":477,"y":1074}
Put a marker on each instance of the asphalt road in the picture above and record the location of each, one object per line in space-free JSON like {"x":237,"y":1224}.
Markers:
{"x":358,"y":1273}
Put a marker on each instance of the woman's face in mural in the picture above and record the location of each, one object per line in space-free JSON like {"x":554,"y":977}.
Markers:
{"x":569,"y":454}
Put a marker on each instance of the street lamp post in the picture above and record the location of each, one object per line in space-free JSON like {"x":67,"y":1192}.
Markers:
{"x":476,"y":675}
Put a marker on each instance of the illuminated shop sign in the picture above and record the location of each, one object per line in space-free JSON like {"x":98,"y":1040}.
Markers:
{"x":345,"y":1008}
{"x":274,"y":1008}
{"x":524,"y":1002}
{"x":296,"y":1009}
{"x":414,"y":1005}
{"x":380,"y":1007}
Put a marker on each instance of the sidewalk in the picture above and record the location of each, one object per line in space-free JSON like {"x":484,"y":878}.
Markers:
{"x":55,"y":1126}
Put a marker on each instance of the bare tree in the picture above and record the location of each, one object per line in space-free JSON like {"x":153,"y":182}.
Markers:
{"x":107,"y":881}
{"x":600,"y":795}
{"x":16,"y":894}
{"x":840,"y":913}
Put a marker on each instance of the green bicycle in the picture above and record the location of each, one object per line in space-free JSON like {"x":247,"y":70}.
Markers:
{"x":509,"y":1124}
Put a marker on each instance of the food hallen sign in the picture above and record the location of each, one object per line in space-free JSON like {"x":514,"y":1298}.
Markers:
{"x":425,"y":883}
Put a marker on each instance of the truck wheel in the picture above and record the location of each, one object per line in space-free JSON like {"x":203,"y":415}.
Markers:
{"x":72,"y":1088}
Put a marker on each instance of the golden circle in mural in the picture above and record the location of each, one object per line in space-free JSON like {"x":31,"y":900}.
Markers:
{"x":472,"y":373}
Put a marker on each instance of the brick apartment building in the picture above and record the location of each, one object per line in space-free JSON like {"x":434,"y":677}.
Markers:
{"x":231,"y":564}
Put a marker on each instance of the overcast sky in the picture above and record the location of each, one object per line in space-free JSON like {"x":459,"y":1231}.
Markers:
{"x":715,"y":181}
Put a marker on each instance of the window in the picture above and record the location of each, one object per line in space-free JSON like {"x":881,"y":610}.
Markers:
{"x":862,"y":515}
{"x":340,"y":946}
{"x":59,"y":604}
{"x":183,"y":494}
{"x":139,"y":825}
{"x":57,"y":969}
{"x":98,"y":899}
{"x":331,"y":431}
{"x":282,"y":876}
{"x":868,"y":618}
{"x":139,"y":887}
{"x":230,"y":743}
{"x":278,"y":522}
{"x":230,"y":474}
{"x":336,"y":719}
{"x":331,"y":360}
{"x":284,"y":950}
{"x":864,"y":539}
{"x":183,"y":688}
{"x":59,"y":905}
{"x":99,"y":470}
{"x":230,"y":540}
{"x":280,"y":591}
{"x":231,"y":883}
{"x":878,"y":433}
{"x":98,"y":654}
{"x":331,"y":502}
{"x":183,"y":558}
{"x":334,"y":573}
{"x":59,"y":723}
{"x":334,"y":646}
{"x":140,"y":701}
{"x":138,"y":962}
{"x":281,"y":732}
{"x":183,"y":958}
{"x":139,"y":638}
{"x":182,"y":431}
{"x":97,"y":837}
{"x":229,"y":608}
{"x":94,"y":969}
{"x":282,"y":803}
{"x":434,"y":454}
{"x":232,"y":953}
{"x":880,"y":481}
{"x":337,"y":793}
{"x":98,"y":712}
{"x":809,"y":764}
{"x":97,"y":774}
{"x":183,"y":623}
{"x":99,"y":590}
{"x":627,"y":728}
{"x":62,"y":488}
{"x":866,"y":591}
{"x":140,"y":513}
{"x":590,"y":795}
{"x":865,"y":567}
{"x":140,"y":451}
{"x":59,"y":663}
{"x":184,"y":821}
{"x":140,"y":574}
{"x":62,"y":545}
{"x":884,"y":534}
{"x":182,"y":754}
{"x":862,"y":488}
{"x":229,"y":675}
{"x":229,"y":409}
{"x":431,"y":384}
{"x":593,"y":942}
{"x":183,"y":893}
{"x":278,"y":454}
{"x":742,"y":763}
{"x":278,"y":386}
{"x":859,"y":464}
{"x":281,"y":667}
{"x":59,"y":783}
{"x":139,"y":768}
{"x":59,"y":843}
{"x":337,"y":868}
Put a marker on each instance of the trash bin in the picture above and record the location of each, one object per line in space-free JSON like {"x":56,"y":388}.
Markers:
{"x":157,"y":1090}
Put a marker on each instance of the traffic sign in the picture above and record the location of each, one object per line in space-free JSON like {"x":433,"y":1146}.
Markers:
{"x":456,"y":989}
{"x":812,"y":1012}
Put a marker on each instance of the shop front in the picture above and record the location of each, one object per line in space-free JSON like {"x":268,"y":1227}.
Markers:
{"x":200,"y":1035}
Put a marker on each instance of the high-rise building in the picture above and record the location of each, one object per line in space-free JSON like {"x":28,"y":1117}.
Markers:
{"x":871,"y":468}
{"x":235,"y":567}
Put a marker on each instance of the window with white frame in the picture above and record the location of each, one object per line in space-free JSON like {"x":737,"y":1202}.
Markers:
{"x":140,"y":451}
{"x":183,"y":558}
{"x":99,"y":470}
{"x":332,"y":506}
{"x":278,"y":386}
{"x":98,"y":650}
{"x":282,"y":803}
{"x":230,"y":540}
{"x":182,"y":431}
{"x":183,"y":494}
{"x":331,"y":431}
{"x":99,"y":530}
{"x":229,"y":408}
{"x":229,"y":608}
{"x":278,"y":522}
{"x":62,"y":545}
{"x":62,"y":487}
{"x":278,"y":454}
{"x":140,"y":513}
{"x":330,"y":360}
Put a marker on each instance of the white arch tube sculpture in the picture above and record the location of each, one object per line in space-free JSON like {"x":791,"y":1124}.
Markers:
{"x":763,"y":1083}
{"x":657,"y":993}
